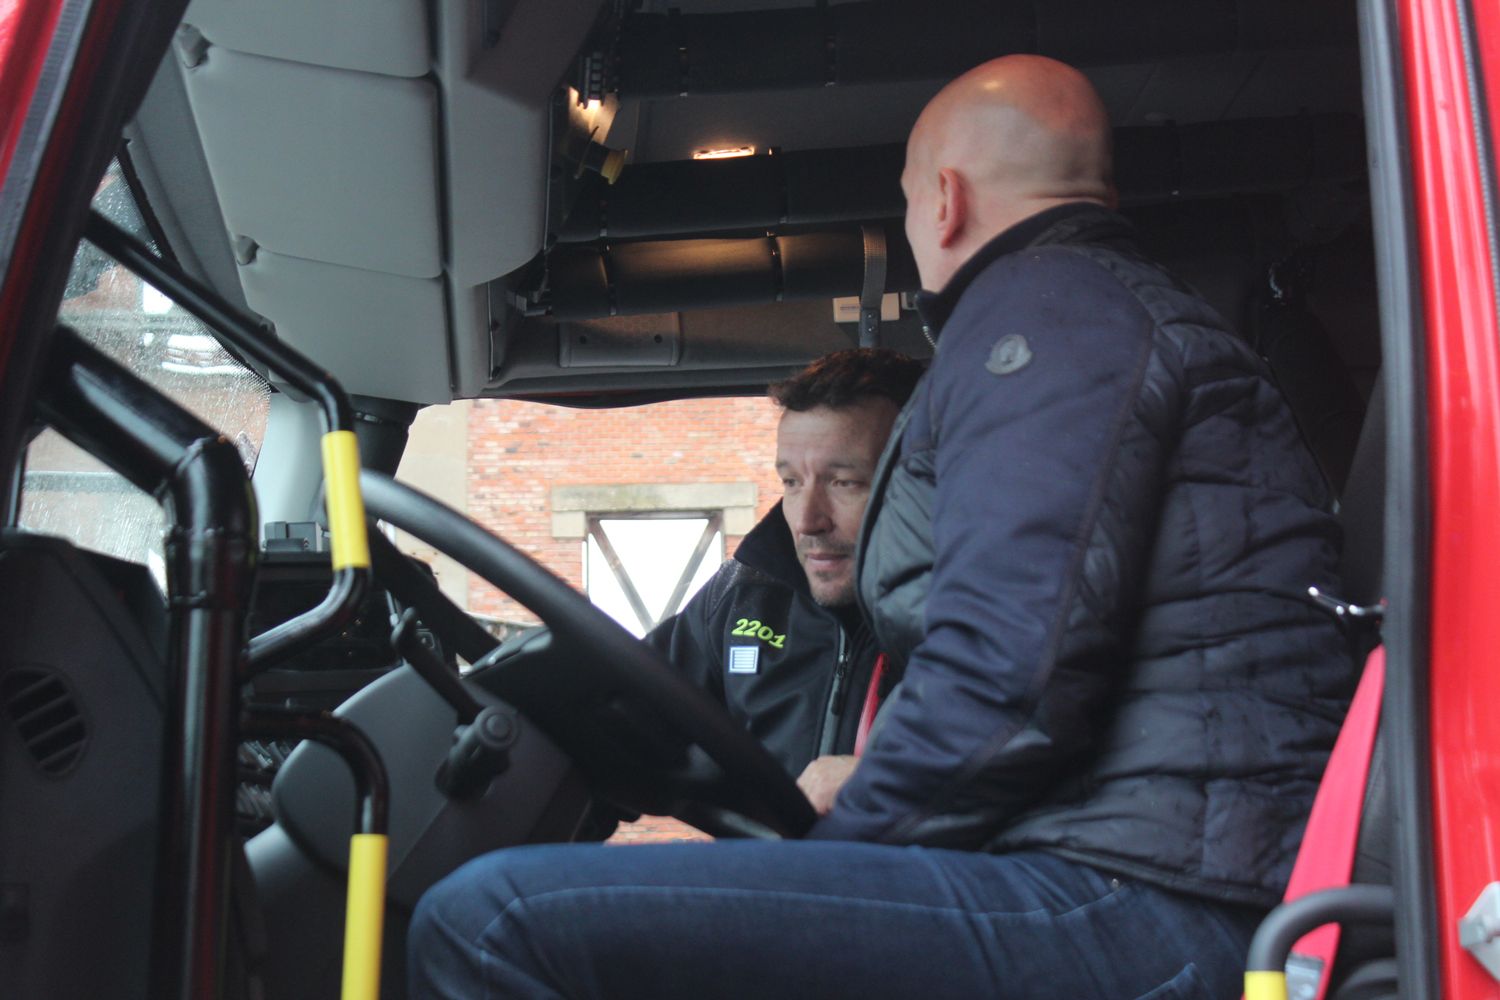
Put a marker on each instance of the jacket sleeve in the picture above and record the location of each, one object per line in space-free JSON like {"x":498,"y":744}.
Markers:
{"x":691,"y":640}
{"x":1041,"y":470}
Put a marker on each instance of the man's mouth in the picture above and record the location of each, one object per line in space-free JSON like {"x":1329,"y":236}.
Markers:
{"x":824,"y":559}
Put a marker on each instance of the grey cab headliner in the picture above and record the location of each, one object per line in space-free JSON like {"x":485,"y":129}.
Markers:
{"x":388,"y":182}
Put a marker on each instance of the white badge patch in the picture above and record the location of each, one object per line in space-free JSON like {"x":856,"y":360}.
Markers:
{"x":744,"y":659}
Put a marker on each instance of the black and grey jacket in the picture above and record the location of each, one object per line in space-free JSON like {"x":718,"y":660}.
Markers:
{"x":1089,"y":544}
{"x":792,"y":672}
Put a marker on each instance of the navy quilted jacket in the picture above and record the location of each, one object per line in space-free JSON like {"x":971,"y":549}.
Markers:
{"x":1092,"y":535}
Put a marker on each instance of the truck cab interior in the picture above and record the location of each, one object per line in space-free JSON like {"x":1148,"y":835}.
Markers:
{"x":373,"y":208}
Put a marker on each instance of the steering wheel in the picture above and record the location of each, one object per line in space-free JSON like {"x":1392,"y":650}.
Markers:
{"x":645,"y":738}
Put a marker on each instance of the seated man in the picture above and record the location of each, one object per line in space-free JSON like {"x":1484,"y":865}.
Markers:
{"x":1087,"y":545}
{"x":782,"y":644}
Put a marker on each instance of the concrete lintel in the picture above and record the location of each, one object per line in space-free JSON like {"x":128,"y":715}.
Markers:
{"x":569,"y":524}
{"x":738,"y":520}
{"x":652,"y":496}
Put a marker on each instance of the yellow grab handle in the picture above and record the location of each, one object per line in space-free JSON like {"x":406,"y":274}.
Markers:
{"x":364,"y":916}
{"x":1265,"y":986}
{"x":346,"y":507}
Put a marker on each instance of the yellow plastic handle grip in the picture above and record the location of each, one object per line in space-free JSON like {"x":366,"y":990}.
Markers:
{"x":346,"y":507}
{"x":1265,"y":986}
{"x":364,"y":917}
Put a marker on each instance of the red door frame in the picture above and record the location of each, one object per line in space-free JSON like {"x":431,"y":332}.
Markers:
{"x":87,"y":44}
{"x":26,"y":29}
{"x":1463,"y":350}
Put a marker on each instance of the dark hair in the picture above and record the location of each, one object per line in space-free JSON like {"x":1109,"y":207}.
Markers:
{"x":846,"y":378}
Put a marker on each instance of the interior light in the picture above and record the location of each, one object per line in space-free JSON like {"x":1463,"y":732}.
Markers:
{"x":724,"y":153}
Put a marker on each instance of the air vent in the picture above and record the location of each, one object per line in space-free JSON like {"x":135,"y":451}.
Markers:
{"x":46,"y":717}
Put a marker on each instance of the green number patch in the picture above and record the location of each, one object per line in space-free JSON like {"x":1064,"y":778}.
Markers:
{"x":753,"y":628}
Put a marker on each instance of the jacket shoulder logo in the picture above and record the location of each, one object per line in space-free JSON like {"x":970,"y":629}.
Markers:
{"x":1011,"y":353}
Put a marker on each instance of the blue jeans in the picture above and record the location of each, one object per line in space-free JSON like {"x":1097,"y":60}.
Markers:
{"x":816,"y":920}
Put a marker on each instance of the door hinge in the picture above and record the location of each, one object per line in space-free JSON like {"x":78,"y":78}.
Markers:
{"x":1479,"y":930}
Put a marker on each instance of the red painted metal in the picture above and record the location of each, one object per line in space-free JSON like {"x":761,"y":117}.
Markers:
{"x":37,"y":215}
{"x":26,"y":27}
{"x":1487,"y":40}
{"x":1464,"y":415}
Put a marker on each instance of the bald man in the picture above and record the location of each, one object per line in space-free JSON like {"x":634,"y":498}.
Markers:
{"x":1084,"y":552}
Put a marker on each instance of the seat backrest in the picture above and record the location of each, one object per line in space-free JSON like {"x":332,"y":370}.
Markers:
{"x":1362,"y":515}
{"x":1317,"y":385}
{"x":1362,"y":507}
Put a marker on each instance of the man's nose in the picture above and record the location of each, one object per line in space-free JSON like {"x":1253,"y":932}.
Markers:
{"x":812,"y":516}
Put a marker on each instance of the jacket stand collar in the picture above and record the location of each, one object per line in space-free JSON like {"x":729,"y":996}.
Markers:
{"x":1059,"y":224}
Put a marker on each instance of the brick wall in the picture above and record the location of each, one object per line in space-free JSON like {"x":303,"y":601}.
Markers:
{"x":519,"y":452}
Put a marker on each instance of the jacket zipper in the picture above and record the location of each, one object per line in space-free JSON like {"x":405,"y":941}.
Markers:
{"x":835,"y":697}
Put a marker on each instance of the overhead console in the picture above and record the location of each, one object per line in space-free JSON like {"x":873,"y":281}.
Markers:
{"x":444,"y":198}
{"x":377,"y":166}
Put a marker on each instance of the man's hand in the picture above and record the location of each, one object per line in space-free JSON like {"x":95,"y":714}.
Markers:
{"x":821,"y":780}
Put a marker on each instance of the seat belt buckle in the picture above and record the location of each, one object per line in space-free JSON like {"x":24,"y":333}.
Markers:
{"x":1370,"y":614}
{"x":1361,"y":623}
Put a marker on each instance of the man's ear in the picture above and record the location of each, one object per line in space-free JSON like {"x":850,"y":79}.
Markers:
{"x":953,"y":207}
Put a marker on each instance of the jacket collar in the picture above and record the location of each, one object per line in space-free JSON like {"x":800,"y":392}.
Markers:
{"x":769,"y":548}
{"x":1059,"y":224}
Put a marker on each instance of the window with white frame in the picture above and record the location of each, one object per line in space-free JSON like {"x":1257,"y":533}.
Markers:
{"x":640,"y":568}
{"x":647,"y":549}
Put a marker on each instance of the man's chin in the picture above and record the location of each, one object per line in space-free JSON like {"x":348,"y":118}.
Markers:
{"x":832,"y":596}
{"x":832,"y":586}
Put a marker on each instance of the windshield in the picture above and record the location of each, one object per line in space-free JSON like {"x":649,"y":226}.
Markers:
{"x":636,"y":507}
{"x":69,"y":493}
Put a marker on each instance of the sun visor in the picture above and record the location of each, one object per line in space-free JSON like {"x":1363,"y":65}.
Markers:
{"x":323,"y":164}
{"x":380,"y":335}
{"x":374,"y":36}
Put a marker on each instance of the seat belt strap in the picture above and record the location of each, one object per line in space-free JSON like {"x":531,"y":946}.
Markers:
{"x":871,"y":706}
{"x":873,"y":289}
{"x":1326,"y":860}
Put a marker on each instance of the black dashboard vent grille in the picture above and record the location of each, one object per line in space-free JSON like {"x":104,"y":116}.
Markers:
{"x":46,"y":716}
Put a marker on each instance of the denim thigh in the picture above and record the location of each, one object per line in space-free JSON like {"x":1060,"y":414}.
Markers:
{"x":815,"y":920}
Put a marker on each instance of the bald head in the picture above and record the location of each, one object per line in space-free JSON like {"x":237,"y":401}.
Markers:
{"x":1004,"y":141}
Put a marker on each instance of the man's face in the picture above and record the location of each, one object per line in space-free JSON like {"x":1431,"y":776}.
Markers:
{"x":826,"y":459}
